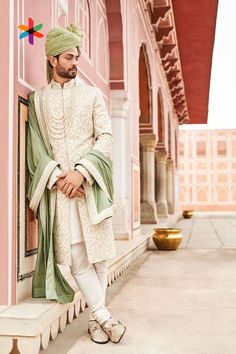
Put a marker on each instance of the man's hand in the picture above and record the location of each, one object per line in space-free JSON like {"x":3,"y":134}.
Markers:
{"x":69,"y":183}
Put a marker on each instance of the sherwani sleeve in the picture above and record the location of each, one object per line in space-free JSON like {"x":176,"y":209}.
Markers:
{"x":102,"y":126}
{"x":102,"y":133}
{"x":53,"y":178}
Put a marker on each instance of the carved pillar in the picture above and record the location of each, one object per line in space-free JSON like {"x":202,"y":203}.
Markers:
{"x":148,"y":206}
{"x":119,"y":108}
{"x":170,"y":192}
{"x":160,"y":183}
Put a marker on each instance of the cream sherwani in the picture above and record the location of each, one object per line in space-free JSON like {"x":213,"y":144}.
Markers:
{"x":87,"y":126}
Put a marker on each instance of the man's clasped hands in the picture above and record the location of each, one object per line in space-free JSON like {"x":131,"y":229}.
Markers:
{"x":70,"y":184}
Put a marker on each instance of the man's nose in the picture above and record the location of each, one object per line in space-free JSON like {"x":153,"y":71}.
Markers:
{"x":75,"y":62}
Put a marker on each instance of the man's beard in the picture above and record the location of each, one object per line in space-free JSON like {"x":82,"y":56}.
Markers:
{"x":66,"y":74}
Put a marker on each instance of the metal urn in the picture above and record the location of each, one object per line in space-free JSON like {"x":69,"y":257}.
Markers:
{"x":167,"y":238}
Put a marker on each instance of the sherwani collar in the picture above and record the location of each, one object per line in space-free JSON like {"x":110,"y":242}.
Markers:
{"x":69,"y":84}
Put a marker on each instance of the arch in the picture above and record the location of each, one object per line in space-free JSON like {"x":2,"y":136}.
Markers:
{"x":202,"y":195}
{"x":145,"y":93}
{"x":222,"y":194}
{"x":102,"y":51}
{"x":161,"y":121}
{"x":84,"y":19}
{"x":116,"y":52}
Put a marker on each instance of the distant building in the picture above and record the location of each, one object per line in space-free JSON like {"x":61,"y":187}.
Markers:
{"x":207,"y":170}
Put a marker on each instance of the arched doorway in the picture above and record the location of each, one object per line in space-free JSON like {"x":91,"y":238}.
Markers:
{"x":116,"y":52}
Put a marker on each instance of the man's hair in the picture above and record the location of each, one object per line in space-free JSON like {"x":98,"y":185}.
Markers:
{"x":55,"y":56}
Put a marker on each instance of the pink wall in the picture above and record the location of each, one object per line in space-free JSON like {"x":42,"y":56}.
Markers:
{"x":4,"y":94}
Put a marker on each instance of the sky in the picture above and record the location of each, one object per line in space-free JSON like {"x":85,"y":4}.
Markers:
{"x":222,"y":112}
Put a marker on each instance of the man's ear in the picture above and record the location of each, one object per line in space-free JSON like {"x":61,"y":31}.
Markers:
{"x":52,"y":60}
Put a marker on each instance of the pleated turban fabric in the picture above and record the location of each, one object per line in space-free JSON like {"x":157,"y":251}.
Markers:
{"x":60,"y":39}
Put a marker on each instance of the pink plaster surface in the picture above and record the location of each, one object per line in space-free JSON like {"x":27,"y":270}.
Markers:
{"x":4,"y":87}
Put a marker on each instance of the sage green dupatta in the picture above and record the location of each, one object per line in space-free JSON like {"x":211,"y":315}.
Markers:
{"x":47,"y":279}
{"x":99,"y":196}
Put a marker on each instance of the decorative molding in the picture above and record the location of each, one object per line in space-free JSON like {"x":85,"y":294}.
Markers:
{"x":135,"y":171}
{"x":22,"y":208}
{"x":120,"y":104}
{"x":62,"y":8}
{"x":103,"y":22}
{"x":10,"y":147}
{"x":88,"y":56}
{"x":24,"y":83}
{"x":148,"y":141}
{"x":161,"y":16}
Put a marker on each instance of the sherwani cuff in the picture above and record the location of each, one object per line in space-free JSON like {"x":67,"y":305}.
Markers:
{"x":85,"y":173}
{"x":53,"y":178}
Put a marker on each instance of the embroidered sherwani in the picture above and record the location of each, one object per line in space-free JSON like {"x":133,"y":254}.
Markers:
{"x":73,"y":120}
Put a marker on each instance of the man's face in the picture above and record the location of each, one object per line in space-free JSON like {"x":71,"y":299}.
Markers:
{"x":66,"y":64}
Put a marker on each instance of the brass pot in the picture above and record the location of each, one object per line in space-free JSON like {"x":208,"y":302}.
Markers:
{"x":187,"y":214}
{"x":167,"y":238}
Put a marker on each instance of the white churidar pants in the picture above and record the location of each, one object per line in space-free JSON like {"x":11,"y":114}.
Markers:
{"x":92,"y":282}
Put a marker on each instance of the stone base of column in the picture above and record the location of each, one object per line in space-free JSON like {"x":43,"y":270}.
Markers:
{"x":162,"y":210}
{"x":137,"y":232}
{"x":148,"y":213}
{"x":171,"y":208}
{"x":121,"y":225}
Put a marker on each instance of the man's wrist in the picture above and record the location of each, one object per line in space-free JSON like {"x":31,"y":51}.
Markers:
{"x":87,"y":176}
{"x":80,"y":175}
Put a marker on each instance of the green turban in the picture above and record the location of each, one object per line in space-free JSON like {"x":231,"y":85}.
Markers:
{"x":60,"y":39}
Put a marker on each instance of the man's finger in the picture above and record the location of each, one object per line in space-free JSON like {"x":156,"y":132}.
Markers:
{"x":64,"y":189}
{"x":73,"y":193}
{"x":61,"y":184}
{"x":78,"y":194}
{"x":81,"y":190}
{"x":69,"y":190}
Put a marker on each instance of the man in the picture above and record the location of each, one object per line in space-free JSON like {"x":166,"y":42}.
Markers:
{"x":70,"y":184}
